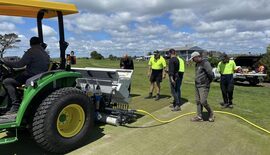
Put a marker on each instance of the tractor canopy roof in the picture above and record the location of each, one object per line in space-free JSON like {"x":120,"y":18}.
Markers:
{"x":30,"y":8}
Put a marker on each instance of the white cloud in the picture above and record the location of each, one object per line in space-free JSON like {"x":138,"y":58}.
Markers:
{"x":47,"y":31}
{"x":17,"y":20}
{"x":138,"y":26}
{"x":183,"y":16}
{"x":7,"y":27}
{"x":152,"y":29}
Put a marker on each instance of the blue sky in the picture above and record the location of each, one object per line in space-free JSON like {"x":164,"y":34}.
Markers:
{"x":137,"y":27}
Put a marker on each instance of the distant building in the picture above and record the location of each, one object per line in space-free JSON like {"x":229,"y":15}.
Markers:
{"x":186,"y":51}
{"x":147,"y":57}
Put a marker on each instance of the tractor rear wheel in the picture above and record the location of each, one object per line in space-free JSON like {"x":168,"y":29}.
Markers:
{"x":63,"y":121}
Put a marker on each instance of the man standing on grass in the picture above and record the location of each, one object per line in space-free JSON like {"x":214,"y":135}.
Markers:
{"x":127,"y":63}
{"x":226,"y":68}
{"x":203,"y":78}
{"x":156,"y":72}
{"x":176,"y":72}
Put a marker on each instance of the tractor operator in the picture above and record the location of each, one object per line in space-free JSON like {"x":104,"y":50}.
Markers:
{"x":36,"y":61}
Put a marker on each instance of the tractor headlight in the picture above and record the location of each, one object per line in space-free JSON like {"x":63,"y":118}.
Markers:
{"x":33,"y":84}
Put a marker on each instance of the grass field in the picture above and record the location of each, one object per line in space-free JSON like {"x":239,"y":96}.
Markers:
{"x":250,"y":102}
{"x":227,"y":135}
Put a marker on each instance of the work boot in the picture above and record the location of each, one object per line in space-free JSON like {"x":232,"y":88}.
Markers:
{"x":13,"y":110}
{"x":157,"y":97}
{"x":197,"y":119}
{"x":176,"y":108}
{"x":172,"y":105}
{"x":149,"y":96}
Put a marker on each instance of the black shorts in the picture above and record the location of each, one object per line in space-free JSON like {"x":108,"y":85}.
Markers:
{"x":156,"y":76}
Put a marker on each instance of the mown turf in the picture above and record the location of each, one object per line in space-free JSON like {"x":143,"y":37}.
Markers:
{"x":227,"y":135}
{"x":250,"y":102}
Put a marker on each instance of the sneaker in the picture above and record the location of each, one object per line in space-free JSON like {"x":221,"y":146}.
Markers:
{"x":221,"y":103}
{"x":149,"y":96}
{"x":176,"y":108}
{"x":230,"y":106}
{"x":157,"y":97}
{"x":197,"y":119}
{"x":211,"y":118}
{"x":225,"y":106}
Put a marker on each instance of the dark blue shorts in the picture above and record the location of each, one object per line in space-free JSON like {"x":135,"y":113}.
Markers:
{"x":156,"y":76}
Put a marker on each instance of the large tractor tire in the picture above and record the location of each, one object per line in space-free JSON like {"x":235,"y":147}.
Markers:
{"x":63,"y":121}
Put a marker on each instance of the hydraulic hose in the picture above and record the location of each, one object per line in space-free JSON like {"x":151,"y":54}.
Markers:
{"x":191,"y":113}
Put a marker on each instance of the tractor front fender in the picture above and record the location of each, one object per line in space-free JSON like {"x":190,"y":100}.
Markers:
{"x":44,"y":85}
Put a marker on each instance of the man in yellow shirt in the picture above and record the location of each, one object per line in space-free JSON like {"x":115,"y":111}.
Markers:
{"x":156,"y":72}
{"x":226,"y":68}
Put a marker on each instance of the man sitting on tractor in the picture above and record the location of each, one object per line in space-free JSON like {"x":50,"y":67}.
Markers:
{"x":36,"y":61}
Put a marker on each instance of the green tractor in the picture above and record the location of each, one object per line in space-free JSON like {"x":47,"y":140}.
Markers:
{"x":58,"y":114}
{"x":59,"y":107}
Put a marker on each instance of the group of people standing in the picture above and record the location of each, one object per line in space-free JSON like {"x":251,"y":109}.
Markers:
{"x":203,"y":77}
{"x":157,"y":71}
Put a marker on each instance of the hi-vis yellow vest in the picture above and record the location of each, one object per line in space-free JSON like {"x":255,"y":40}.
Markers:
{"x":226,"y":68}
{"x":181,"y":65}
{"x":157,"y":64}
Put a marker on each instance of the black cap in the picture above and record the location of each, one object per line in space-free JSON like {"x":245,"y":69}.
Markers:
{"x":34,"y":41}
{"x":156,"y":52}
{"x":224,"y":56}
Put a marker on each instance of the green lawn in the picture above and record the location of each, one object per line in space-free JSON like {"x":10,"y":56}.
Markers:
{"x":250,"y":102}
{"x":227,"y":135}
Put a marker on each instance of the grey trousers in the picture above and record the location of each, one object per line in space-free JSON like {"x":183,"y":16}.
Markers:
{"x":201,"y":95}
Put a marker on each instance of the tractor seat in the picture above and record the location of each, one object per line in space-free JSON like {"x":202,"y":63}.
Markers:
{"x":52,"y":66}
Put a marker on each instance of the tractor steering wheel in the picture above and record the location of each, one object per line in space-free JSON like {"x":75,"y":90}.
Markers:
{"x":5,"y":71}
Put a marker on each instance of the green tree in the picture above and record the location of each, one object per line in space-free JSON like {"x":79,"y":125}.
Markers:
{"x":112,"y":57}
{"x":266,"y":62}
{"x":7,"y":41}
{"x":96,"y":55}
{"x":149,"y":53}
{"x":214,"y":61}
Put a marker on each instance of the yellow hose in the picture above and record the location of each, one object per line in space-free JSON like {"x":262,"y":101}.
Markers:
{"x":191,"y":113}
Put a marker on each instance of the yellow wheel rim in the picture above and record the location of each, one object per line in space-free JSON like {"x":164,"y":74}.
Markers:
{"x":70,"y":120}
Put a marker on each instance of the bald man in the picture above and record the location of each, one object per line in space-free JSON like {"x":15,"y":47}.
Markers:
{"x":126,"y":62}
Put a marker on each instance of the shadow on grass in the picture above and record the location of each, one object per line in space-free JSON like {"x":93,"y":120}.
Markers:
{"x":165,"y":96}
{"x":134,"y":95}
{"x":150,"y":126}
{"x":26,"y":145}
{"x":183,"y":101}
{"x":205,"y":116}
{"x":246,"y":84}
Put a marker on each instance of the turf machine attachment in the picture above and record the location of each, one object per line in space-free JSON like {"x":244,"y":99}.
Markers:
{"x":108,"y":90}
